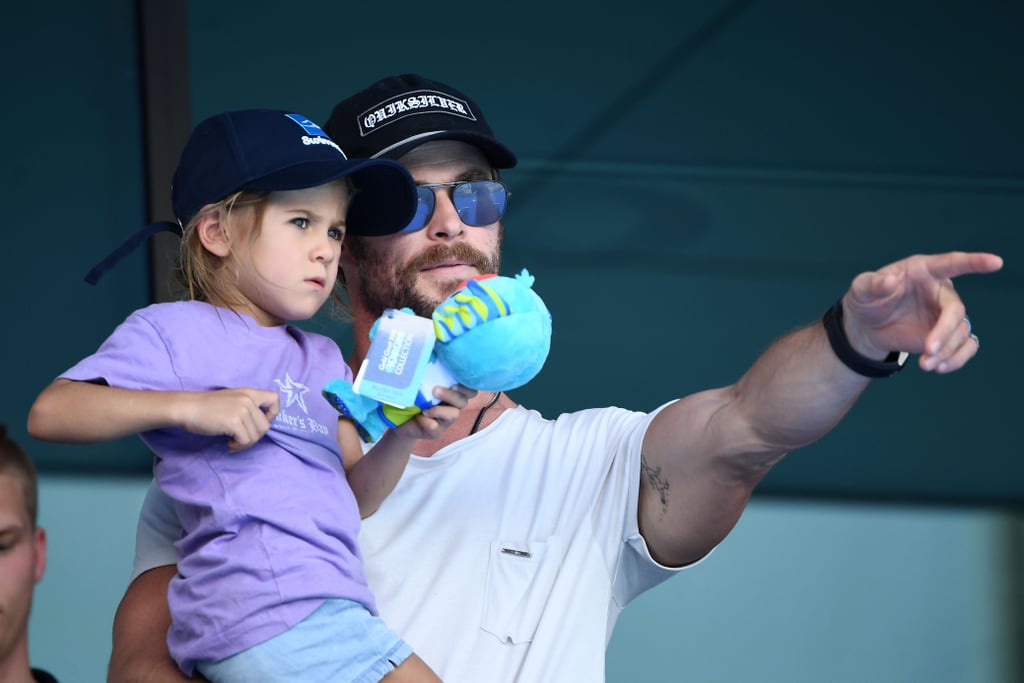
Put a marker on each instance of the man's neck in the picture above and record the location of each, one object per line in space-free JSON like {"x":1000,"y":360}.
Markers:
{"x":361,"y":325}
{"x":14,"y":668}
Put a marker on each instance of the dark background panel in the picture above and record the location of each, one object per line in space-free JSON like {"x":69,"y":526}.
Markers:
{"x":694,"y":181}
{"x":73,"y":188}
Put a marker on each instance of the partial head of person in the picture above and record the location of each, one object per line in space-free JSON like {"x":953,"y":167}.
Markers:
{"x":441,"y":136}
{"x":22,"y":554}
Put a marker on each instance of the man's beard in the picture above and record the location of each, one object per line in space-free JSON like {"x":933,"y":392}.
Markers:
{"x":383,"y":283}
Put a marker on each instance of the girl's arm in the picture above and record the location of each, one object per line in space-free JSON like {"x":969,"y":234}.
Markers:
{"x":373,"y":476}
{"x":86,"y":412}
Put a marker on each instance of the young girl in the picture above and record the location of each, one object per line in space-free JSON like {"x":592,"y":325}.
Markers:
{"x":226,"y":394}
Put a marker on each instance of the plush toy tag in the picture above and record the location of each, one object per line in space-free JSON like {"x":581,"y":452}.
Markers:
{"x":393,"y":368}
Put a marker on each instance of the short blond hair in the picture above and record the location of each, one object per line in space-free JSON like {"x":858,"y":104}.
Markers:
{"x":14,"y":462}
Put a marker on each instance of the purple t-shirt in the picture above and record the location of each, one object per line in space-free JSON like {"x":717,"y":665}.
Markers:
{"x":270,"y":532}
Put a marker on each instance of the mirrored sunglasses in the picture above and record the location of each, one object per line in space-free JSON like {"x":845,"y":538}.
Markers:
{"x":478,"y":202}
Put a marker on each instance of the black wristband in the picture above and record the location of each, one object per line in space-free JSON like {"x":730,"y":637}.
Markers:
{"x":833,"y":321}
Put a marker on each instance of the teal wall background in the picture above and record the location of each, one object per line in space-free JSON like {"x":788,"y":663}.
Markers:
{"x":799,"y":593}
{"x":695,"y":179}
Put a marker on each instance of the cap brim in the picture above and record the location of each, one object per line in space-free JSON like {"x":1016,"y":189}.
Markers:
{"x":385,"y":198}
{"x":498,"y":154}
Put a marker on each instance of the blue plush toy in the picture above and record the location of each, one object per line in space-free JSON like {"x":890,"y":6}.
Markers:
{"x":492,"y":334}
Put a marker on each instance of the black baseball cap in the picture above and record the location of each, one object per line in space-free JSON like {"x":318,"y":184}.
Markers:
{"x":398,"y":113}
{"x":276,"y":150}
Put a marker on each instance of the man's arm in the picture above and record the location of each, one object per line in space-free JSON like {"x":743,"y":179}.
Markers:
{"x":140,"y":652}
{"x":704,"y":454}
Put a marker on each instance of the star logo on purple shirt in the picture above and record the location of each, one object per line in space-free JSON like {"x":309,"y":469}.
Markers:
{"x":293,"y":392}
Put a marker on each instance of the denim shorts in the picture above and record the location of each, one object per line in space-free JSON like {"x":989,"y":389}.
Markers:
{"x":339,"y":641}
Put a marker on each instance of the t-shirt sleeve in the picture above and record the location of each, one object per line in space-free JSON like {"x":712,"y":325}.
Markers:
{"x":157,"y":532}
{"x":637,"y":570}
{"x":134,"y":356}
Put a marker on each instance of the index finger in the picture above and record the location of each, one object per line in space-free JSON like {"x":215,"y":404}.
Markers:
{"x":956,"y":263}
{"x":456,"y":395}
{"x":269,"y":402}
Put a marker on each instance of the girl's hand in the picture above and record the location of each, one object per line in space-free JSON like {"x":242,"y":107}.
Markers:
{"x":432,"y":422}
{"x":242,"y":414}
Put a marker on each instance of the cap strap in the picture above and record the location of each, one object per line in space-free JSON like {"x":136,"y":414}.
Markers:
{"x":128,"y":246}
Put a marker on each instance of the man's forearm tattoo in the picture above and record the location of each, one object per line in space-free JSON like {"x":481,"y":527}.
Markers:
{"x":655,"y":480}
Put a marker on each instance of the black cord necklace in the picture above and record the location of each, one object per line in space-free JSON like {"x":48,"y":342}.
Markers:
{"x":480,"y":415}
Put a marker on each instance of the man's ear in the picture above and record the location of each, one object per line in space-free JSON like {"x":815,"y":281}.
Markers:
{"x":346,"y":257}
{"x":346,"y":254}
{"x":212,"y":234}
{"x":39,"y":539}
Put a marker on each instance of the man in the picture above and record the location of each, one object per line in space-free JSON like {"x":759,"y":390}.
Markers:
{"x":22,"y":560}
{"x":510,"y":545}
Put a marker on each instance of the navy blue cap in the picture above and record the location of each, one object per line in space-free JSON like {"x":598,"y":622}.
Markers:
{"x":398,"y":113}
{"x":267,"y":149}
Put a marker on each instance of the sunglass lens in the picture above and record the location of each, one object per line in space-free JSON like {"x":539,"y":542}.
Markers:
{"x":424,"y":209}
{"x":480,"y":202}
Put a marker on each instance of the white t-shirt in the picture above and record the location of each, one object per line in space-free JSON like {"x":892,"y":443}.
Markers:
{"x":508,"y":555}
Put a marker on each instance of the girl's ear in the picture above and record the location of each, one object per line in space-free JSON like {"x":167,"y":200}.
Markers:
{"x":213,"y":236}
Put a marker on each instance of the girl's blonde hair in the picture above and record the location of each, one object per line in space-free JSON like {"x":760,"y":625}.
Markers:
{"x":206,"y":276}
